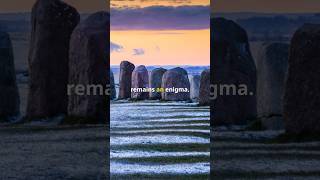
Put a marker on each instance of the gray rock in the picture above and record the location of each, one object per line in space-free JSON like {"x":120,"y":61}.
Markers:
{"x":125,"y":76}
{"x":195,"y":87}
{"x":52,"y":24}
{"x":9,"y":103}
{"x":301,"y":97}
{"x":140,"y":79}
{"x":204,"y":92}
{"x":113,"y":92}
{"x":177,"y":85}
{"x":234,"y":67}
{"x":89,"y":68}
{"x":272,"y":64}
{"x":156,"y":81}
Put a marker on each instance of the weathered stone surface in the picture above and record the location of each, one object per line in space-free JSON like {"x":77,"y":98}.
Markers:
{"x":113,"y":92}
{"x":301,"y":97}
{"x":89,"y":68}
{"x":233,"y":66}
{"x":125,"y":76}
{"x":52,"y":24}
{"x":194,"y":87}
{"x":140,"y":79}
{"x":272,"y":64}
{"x":9,"y":96}
{"x":204,"y":92}
{"x":176,"y":79}
{"x":156,"y":81}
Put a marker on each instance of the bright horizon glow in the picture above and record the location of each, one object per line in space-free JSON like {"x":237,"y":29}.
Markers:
{"x":144,"y":3}
{"x":167,"y":47}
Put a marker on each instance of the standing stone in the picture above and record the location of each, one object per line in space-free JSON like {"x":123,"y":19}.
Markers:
{"x":180,"y":70}
{"x":175,"y":79}
{"x":113,"y":92}
{"x":234,"y":71}
{"x":125,"y":76}
{"x":195,"y":87}
{"x":9,"y":103}
{"x":155,"y":82}
{"x":140,"y":79}
{"x":272,"y":64}
{"x":52,"y":24}
{"x":204,"y":94}
{"x":302,"y":97}
{"x":89,"y":68}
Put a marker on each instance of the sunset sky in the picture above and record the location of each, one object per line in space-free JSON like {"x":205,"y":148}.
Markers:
{"x":160,"y":32}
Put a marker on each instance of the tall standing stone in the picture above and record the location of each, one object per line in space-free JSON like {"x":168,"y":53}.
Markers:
{"x":140,"y":79}
{"x":204,"y":92}
{"x":125,"y":76}
{"x":52,"y":24}
{"x":272,"y":64}
{"x":194,"y":87}
{"x":113,"y":92}
{"x":176,"y":79}
{"x":301,"y":97}
{"x":234,"y":67}
{"x":155,"y":82}
{"x":89,"y":67}
{"x":9,"y":103}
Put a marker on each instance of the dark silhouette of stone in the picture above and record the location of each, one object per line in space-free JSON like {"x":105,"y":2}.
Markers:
{"x":180,"y":70}
{"x":140,"y":79}
{"x":173,"y":80}
{"x":89,"y":67}
{"x":52,"y":24}
{"x":113,"y":92}
{"x":272,"y":64}
{"x":204,"y":92}
{"x":234,"y":67}
{"x":9,"y":103}
{"x":125,"y":76}
{"x":195,"y":87}
{"x":302,"y":97}
{"x":156,"y":81}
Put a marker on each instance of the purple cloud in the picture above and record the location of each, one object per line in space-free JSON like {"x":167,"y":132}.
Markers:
{"x":138,"y":52}
{"x":161,"y":18}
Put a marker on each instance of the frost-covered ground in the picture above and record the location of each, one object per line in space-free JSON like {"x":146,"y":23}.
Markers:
{"x":156,"y":140}
{"x":238,"y":154}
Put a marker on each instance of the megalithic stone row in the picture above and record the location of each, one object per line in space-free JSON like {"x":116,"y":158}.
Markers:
{"x":9,"y":95}
{"x":176,"y":84}
{"x":113,"y":92}
{"x":302,"y":97}
{"x":195,"y":87}
{"x":272,"y":65}
{"x":125,"y":76}
{"x":233,"y":68}
{"x":140,"y":81}
{"x":204,"y":93}
{"x":155,"y":82}
{"x":89,"y":69}
{"x":53,"y":21}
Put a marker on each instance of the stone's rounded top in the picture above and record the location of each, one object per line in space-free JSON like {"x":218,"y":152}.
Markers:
{"x":55,"y":11}
{"x":126,"y":65}
{"x":5,"y":41}
{"x":205,"y":72}
{"x":179,"y":70}
{"x":156,"y":70}
{"x":224,"y":30}
{"x":140,"y":68}
{"x":97,"y":21}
